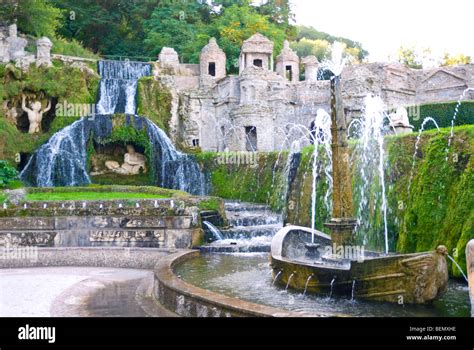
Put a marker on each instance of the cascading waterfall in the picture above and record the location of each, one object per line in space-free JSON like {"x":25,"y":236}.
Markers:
{"x":173,"y":169}
{"x":118,"y":86}
{"x":62,"y":161}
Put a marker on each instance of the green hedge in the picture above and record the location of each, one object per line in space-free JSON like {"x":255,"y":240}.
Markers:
{"x":443,"y":114}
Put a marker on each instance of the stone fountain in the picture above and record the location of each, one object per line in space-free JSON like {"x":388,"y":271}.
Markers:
{"x":311,"y":261}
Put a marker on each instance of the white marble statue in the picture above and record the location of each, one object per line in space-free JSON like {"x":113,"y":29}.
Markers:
{"x":133,"y":162}
{"x":4,"y":52}
{"x":400,"y":122}
{"x":35,"y":114}
{"x":43,"y":52}
{"x":16,"y":45}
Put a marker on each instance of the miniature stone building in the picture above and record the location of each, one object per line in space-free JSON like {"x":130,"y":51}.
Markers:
{"x":256,"y":51}
{"x":212,"y":61}
{"x":310,"y":68}
{"x":261,"y":109}
{"x":288,"y":63}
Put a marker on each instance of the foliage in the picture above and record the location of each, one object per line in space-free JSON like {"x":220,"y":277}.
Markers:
{"x":61,"y":81}
{"x":210,"y":204}
{"x":246,"y":182}
{"x":420,"y":58}
{"x":320,"y":39}
{"x":154,"y":101}
{"x":443,"y":114}
{"x":409,"y":57}
{"x":178,"y":25}
{"x":237,"y":24}
{"x":108,"y":27}
{"x":452,"y":60}
{"x":306,"y":47}
{"x":35,"y":17}
{"x":7,"y":173}
{"x":72,"y":47}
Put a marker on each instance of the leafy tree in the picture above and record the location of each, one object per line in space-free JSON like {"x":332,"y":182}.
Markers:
{"x":7,"y":173}
{"x":411,"y":57}
{"x":111,"y":27}
{"x":311,"y":33}
{"x":452,"y":60}
{"x":306,"y":47}
{"x":279,"y":12}
{"x":322,"y":49}
{"x":237,"y":24}
{"x":179,"y":25}
{"x":35,"y":17}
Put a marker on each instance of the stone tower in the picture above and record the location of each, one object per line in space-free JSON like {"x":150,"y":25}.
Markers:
{"x":310,"y":68}
{"x":212,"y":61}
{"x":288,"y":63}
{"x":256,"y":51}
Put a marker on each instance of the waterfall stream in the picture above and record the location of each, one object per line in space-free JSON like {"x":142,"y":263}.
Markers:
{"x":62,"y":161}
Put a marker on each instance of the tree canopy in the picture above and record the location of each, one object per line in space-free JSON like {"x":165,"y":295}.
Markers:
{"x":139,"y":29}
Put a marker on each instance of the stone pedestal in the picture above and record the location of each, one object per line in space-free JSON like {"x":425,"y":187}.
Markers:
{"x":342,"y":231}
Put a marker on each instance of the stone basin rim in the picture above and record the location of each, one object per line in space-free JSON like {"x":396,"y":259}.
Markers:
{"x":164,"y":273}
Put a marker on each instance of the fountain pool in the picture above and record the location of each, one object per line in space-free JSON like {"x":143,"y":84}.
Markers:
{"x":248,"y":276}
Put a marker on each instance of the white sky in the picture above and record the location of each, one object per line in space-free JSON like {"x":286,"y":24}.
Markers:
{"x":383,"y":26}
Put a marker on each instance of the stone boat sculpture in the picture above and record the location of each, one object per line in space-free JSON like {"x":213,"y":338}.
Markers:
{"x":308,"y":260}
{"x":402,"y":278}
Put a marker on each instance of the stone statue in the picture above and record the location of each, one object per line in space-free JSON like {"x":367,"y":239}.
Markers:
{"x":133,"y":162}
{"x":11,"y":112}
{"x":400,"y":122}
{"x":35,"y":114}
{"x":43,"y":52}
{"x":4,"y":52}
{"x":16,"y":45}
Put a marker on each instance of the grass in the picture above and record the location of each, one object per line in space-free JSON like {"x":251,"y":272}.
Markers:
{"x":89,"y":196}
{"x":3,"y":197}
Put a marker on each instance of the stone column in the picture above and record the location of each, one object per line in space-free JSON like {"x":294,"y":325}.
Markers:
{"x":470,"y":271}
{"x":342,"y":223}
